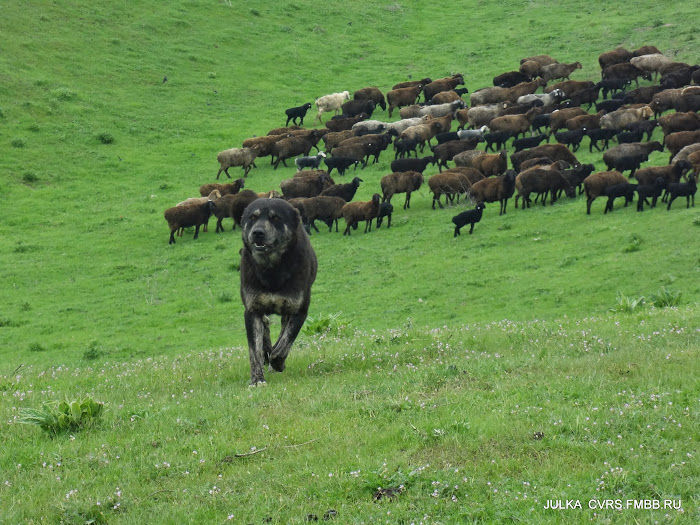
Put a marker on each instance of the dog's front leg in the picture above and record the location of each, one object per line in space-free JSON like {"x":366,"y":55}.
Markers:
{"x":291,"y":324}
{"x":257,"y":332}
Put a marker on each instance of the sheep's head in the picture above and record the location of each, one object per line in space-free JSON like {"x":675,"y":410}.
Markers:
{"x":356,"y":182}
{"x":647,"y":112}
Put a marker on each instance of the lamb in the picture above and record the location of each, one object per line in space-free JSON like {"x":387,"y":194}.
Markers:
{"x":304,"y":186}
{"x":625,"y":190}
{"x":385,"y":210}
{"x":653,"y":191}
{"x":446,"y":152}
{"x":422,"y":133}
{"x":559,"y":70}
{"x":344,"y":191}
{"x":626,"y":137}
{"x":309,"y":162}
{"x":442,"y":84}
{"x":495,"y":189}
{"x":353,"y":212}
{"x":547,"y":99}
{"x":340,"y":163}
{"x":371,"y":93}
{"x":330,"y":102}
{"x":594,"y":185}
{"x":352,"y":108}
{"x":497,"y":140}
{"x":553,"y":151}
{"x":528,"y":142}
{"x":403,"y":148}
{"x":612,"y":85}
{"x":298,"y":112}
{"x":650,"y":63}
{"x":616,"y":56}
{"x":625,"y":72}
{"x":678,"y":140}
{"x":645,"y":126}
{"x":491,"y":164}
{"x":468,"y":217}
{"x":290,"y":147}
{"x":596,"y":135}
{"x":571,"y":138}
{"x":622,"y":117}
{"x":224,"y":189}
{"x":448,"y":183}
{"x":629,"y":156}
{"x":401,"y":182}
{"x":417,"y":164}
{"x":187,"y":216}
{"x":683,"y":189}
{"x":244,"y":157}
{"x":398,"y":98}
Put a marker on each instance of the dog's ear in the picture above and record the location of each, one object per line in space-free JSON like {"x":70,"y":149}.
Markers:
{"x":296,"y":218}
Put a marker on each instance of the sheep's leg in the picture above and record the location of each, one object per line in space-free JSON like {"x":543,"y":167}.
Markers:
{"x":457,"y":232}
{"x":196,"y":231}
{"x":407,"y":202}
{"x":313,"y":225}
{"x":258,"y":333}
{"x":172,"y":236}
{"x":291,"y":325}
{"x":471,"y":230}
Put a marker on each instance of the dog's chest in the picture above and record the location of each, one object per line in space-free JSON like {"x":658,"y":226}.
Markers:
{"x":270,"y":302}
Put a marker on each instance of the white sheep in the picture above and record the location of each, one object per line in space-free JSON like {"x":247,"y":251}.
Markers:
{"x":650,"y":63}
{"x":330,"y":102}
{"x":440,"y":110}
{"x":244,"y":157}
{"x":466,"y":134}
{"x":552,"y":97}
{"x":400,"y":125}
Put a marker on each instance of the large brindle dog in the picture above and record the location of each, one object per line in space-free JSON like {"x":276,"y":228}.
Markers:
{"x":278,"y":267}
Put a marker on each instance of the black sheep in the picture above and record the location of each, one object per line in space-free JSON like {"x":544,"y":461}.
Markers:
{"x":541,"y":122}
{"x":298,"y":112}
{"x":468,"y":217}
{"x":410,"y":164}
{"x":404,"y":147}
{"x":609,"y":105}
{"x":385,"y":210}
{"x":625,"y":190}
{"x":683,"y":189}
{"x":571,"y":138}
{"x":497,"y":140}
{"x":653,"y":191}
{"x":344,"y":191}
{"x":646,"y":126}
{"x":596,"y":135}
{"x":626,"y":137}
{"x":340,"y":163}
{"x":528,"y":142}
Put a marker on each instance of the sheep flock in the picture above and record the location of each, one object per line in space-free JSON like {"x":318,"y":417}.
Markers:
{"x":534,"y":119}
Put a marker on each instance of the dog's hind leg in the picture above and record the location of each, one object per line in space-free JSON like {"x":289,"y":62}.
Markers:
{"x":291,"y":325}
{"x":257,"y":331}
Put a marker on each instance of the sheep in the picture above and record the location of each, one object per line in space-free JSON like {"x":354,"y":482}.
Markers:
{"x":272,"y":194}
{"x":385,"y":210}
{"x":683,"y":189}
{"x":230,"y":206}
{"x":678,"y":79}
{"x":468,"y":217}
{"x":470,"y":175}
{"x":304,"y":186}
{"x":576,"y":175}
{"x":542,"y":180}
{"x":496,"y":164}
{"x":679,"y":139}
{"x":330,"y":102}
{"x":515,"y":124}
{"x":529,"y":68}
{"x":417,"y":164}
{"x":650,"y":63}
{"x":466,"y":134}
{"x":594,"y":185}
{"x":629,"y":156}
{"x":244,"y":157}
{"x":344,"y":191}
{"x":528,"y":142}
{"x":352,"y":108}
{"x":371,"y":93}
{"x":622,"y":117}
{"x":664,"y":100}
{"x":403,"y":148}
{"x":401,"y":182}
{"x":625,"y":72}
{"x":553,"y":151}
{"x":445,"y":97}
{"x":422,"y":133}
{"x":264,"y":144}
{"x":224,"y":189}
{"x":334,"y":138}
{"x":547,"y":99}
{"x":541,"y":122}
{"x":188,"y":215}
{"x":446,"y":151}
{"x":569,"y":87}
{"x":688,"y":121}
{"x":309,"y":162}
{"x":670,"y":173}
{"x":596,"y":135}
{"x":694,"y":161}
{"x":626,"y":137}
{"x":531,"y":163}
{"x":439,"y":110}
{"x":584,"y":121}
{"x":479,"y":116}
{"x":646,"y":50}
{"x":616,"y":56}
{"x":560,"y":117}
{"x":466,"y":158}
{"x":326,"y":208}
{"x":448,"y":183}
{"x":689,"y":101}
{"x":356,"y":151}
{"x":396,"y":128}
{"x":571,"y":138}
{"x":442,"y":84}
{"x":413,"y":83}
{"x":212,"y":196}
{"x":559,"y":70}
{"x":368,"y":126}
{"x":686,"y":152}
{"x":398,"y":98}
{"x":543,"y":60}
{"x":353,"y":212}
{"x":373,"y":145}
{"x":645,"y":126}
{"x":340,"y":163}
{"x":342,"y":123}
{"x":613,"y":86}
{"x":653,"y":191}
{"x":496,"y":140}
{"x":290,"y":147}
{"x":298,"y":112}
{"x":625,"y":190}
{"x":488,"y":95}
{"x":495,"y":189}
{"x":511,"y":78}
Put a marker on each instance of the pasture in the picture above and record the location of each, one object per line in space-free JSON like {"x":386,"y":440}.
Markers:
{"x":477,"y":377}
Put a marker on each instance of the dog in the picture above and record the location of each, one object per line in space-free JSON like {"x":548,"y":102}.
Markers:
{"x":278,"y":267}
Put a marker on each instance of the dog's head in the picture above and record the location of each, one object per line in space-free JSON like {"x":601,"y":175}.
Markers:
{"x":269,"y":229}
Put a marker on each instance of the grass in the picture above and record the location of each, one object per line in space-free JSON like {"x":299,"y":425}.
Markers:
{"x":111,"y":113}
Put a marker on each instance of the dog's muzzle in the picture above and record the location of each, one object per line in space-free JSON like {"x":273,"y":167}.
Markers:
{"x":258,"y":240}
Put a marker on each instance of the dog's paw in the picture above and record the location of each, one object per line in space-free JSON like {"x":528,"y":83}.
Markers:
{"x":255,"y":384}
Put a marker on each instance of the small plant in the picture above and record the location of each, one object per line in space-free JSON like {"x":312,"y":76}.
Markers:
{"x":225,"y":297}
{"x":627,"y":304}
{"x":211,"y":74}
{"x":696,"y":221}
{"x":17,"y":143}
{"x":92,"y":352}
{"x":328,"y":324}
{"x":63,"y":94}
{"x":36,"y":347}
{"x":29,"y":177}
{"x":105,"y":138}
{"x":34,"y":128}
{"x":665,"y":297}
{"x":66,"y":416}
{"x":255,"y":12}
{"x":634,"y":245}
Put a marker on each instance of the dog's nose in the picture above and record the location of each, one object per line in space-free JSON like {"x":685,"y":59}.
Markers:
{"x":258,"y":234}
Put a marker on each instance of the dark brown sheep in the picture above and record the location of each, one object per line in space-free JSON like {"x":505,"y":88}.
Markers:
{"x":616,"y":56}
{"x":224,"y":189}
{"x":491,"y":164}
{"x":448,"y":184}
{"x":442,"y":153}
{"x":354,"y":212}
{"x":442,"y":84}
{"x":413,"y":83}
{"x":186,"y":216}
{"x":673,"y":122}
{"x":341,"y":124}
{"x":553,"y":151}
{"x":559,"y":118}
{"x":288,"y":148}
{"x":264,"y":144}
{"x":401,"y":182}
{"x":530,"y":68}
{"x":543,"y":181}
{"x":334,"y":138}
{"x":543,"y":60}
{"x":569,"y":87}
{"x":497,"y":189}
{"x":629,"y":156}
{"x":595,"y":184}
{"x":398,"y":98}
{"x":371,"y":93}
{"x":304,"y":186}
{"x":584,"y":121}
{"x":675,"y":142}
{"x":422,"y":133}
{"x":514,"y":124}
{"x":559,"y":70}
{"x":625,"y":72}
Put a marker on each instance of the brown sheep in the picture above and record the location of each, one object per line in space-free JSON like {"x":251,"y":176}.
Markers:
{"x":445,"y":97}
{"x":673,"y":122}
{"x":466,"y":158}
{"x":397,"y":98}
{"x":371,"y":93}
{"x":446,"y":151}
{"x":664,"y":100}
{"x":629,"y":156}
{"x":288,"y":148}
{"x":489,"y":95}
{"x":284,"y":131}
{"x":685,"y":153}
{"x":498,"y":189}
{"x":491,"y":164}
{"x":357,"y":151}
{"x":621,"y":118}
{"x":616,"y":56}
{"x":678,"y":140}
{"x":354,"y":212}
{"x":543,"y":60}
{"x":442,"y":84}
{"x":401,"y":182}
{"x":243,"y":157}
{"x":553,"y":151}
{"x":569,"y":87}
{"x":264,"y":144}
{"x":670,"y":173}
{"x":325,"y":208}
{"x":422,"y":133}
{"x":412,"y":83}
{"x":559,"y":118}
{"x":304,"y":186}
{"x":186,"y":216}
{"x":584,"y":121}
{"x":213,"y":196}
{"x":334,"y":138}
{"x":694,"y":161}
{"x":542,"y":181}
{"x":625,"y":72}
{"x":448,"y":183}
{"x":530,"y":68}
{"x":646,"y":50}
{"x":223,"y":210}
{"x":595,"y":184}
{"x":522,"y":89}
{"x":341,"y":124}
{"x":479,"y":116}
{"x":514,"y":124}
{"x":560,"y":70}
{"x":224,"y":189}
